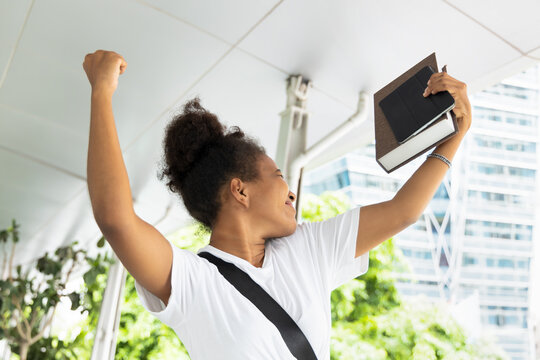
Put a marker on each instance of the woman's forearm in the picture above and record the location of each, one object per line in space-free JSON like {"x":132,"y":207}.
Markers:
{"x":417,"y":192}
{"x":108,"y":182}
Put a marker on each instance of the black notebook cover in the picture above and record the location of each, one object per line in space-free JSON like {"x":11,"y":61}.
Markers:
{"x":408,"y":111}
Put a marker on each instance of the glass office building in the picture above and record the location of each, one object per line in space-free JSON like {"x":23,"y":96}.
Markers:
{"x":475,"y":239}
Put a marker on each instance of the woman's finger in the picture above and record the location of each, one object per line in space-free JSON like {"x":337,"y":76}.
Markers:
{"x":441,"y":84}
{"x":445,"y":78}
{"x":435,"y":76}
{"x":123,"y":65}
{"x":433,"y":80}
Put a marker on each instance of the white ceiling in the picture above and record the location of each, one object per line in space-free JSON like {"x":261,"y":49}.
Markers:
{"x":236,"y":55}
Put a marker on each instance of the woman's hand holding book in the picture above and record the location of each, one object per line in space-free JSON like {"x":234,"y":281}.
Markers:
{"x":442,"y":81}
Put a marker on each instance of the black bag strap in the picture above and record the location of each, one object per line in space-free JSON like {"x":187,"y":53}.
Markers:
{"x":295,"y":339}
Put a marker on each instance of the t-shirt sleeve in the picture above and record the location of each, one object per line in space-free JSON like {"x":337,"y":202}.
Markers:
{"x":333,"y":241}
{"x":185,"y":266}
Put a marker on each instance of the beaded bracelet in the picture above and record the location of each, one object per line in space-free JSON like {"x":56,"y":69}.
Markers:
{"x":440,"y":157}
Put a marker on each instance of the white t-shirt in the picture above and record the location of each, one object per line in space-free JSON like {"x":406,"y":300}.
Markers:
{"x":215,"y":321}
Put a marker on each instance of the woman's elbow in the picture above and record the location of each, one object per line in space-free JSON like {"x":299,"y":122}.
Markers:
{"x":411,"y":220}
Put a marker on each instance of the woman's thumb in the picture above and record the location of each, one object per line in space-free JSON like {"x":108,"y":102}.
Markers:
{"x":123,"y":66}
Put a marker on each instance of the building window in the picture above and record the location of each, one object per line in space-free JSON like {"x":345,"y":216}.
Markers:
{"x":468,"y":260}
{"x":499,"y":116}
{"x":506,"y":263}
{"x":498,"y":230}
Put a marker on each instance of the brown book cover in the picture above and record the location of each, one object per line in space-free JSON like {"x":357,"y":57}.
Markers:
{"x":385,"y":141}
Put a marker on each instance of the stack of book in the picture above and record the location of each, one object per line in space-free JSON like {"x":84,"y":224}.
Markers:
{"x":407,"y":124}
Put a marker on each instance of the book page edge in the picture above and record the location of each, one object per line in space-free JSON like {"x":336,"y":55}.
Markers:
{"x":421,"y":141}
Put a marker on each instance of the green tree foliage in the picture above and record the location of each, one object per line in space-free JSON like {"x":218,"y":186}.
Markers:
{"x":370,"y":321}
{"x":29,"y":297}
{"x":51,"y":348}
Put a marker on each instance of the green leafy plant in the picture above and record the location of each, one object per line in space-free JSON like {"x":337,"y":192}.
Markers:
{"x":29,"y":298}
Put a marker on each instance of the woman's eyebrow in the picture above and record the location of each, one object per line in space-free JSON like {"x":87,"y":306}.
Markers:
{"x":278,"y":170}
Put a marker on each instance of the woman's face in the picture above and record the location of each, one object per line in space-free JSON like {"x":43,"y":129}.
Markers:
{"x":271,"y":203}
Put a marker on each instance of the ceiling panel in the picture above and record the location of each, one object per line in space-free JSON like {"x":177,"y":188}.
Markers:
{"x":364,"y":45}
{"x":164,"y":55}
{"x":503,"y":17}
{"x":343,"y":48}
{"x":244,"y":92}
{"x":258,"y":97}
{"x":32,"y":193}
{"x":29,"y":209}
{"x":44,"y":140}
{"x":73,"y":221}
{"x":13,"y":15}
{"x":535,"y":54}
{"x":142,"y":161}
{"x":326,"y":114}
{"x":43,"y":87}
{"x":506,"y":70}
{"x":227,"y":19}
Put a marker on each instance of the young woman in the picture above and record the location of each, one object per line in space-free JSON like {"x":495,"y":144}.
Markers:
{"x":228,"y":183}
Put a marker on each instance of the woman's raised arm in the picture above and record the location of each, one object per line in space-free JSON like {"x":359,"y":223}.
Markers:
{"x":108,"y":182}
{"x":144,"y":252}
{"x":379,"y":222}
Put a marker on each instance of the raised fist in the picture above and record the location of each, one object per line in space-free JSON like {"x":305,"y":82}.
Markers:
{"x":103,"y":68}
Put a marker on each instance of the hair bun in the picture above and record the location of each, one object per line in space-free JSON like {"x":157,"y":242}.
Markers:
{"x":201,"y":156}
{"x":189,"y":133}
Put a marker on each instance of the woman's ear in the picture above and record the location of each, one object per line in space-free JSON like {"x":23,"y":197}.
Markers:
{"x":238,"y":191}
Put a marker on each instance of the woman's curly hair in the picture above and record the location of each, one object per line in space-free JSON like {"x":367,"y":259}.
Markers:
{"x":201,"y":155}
